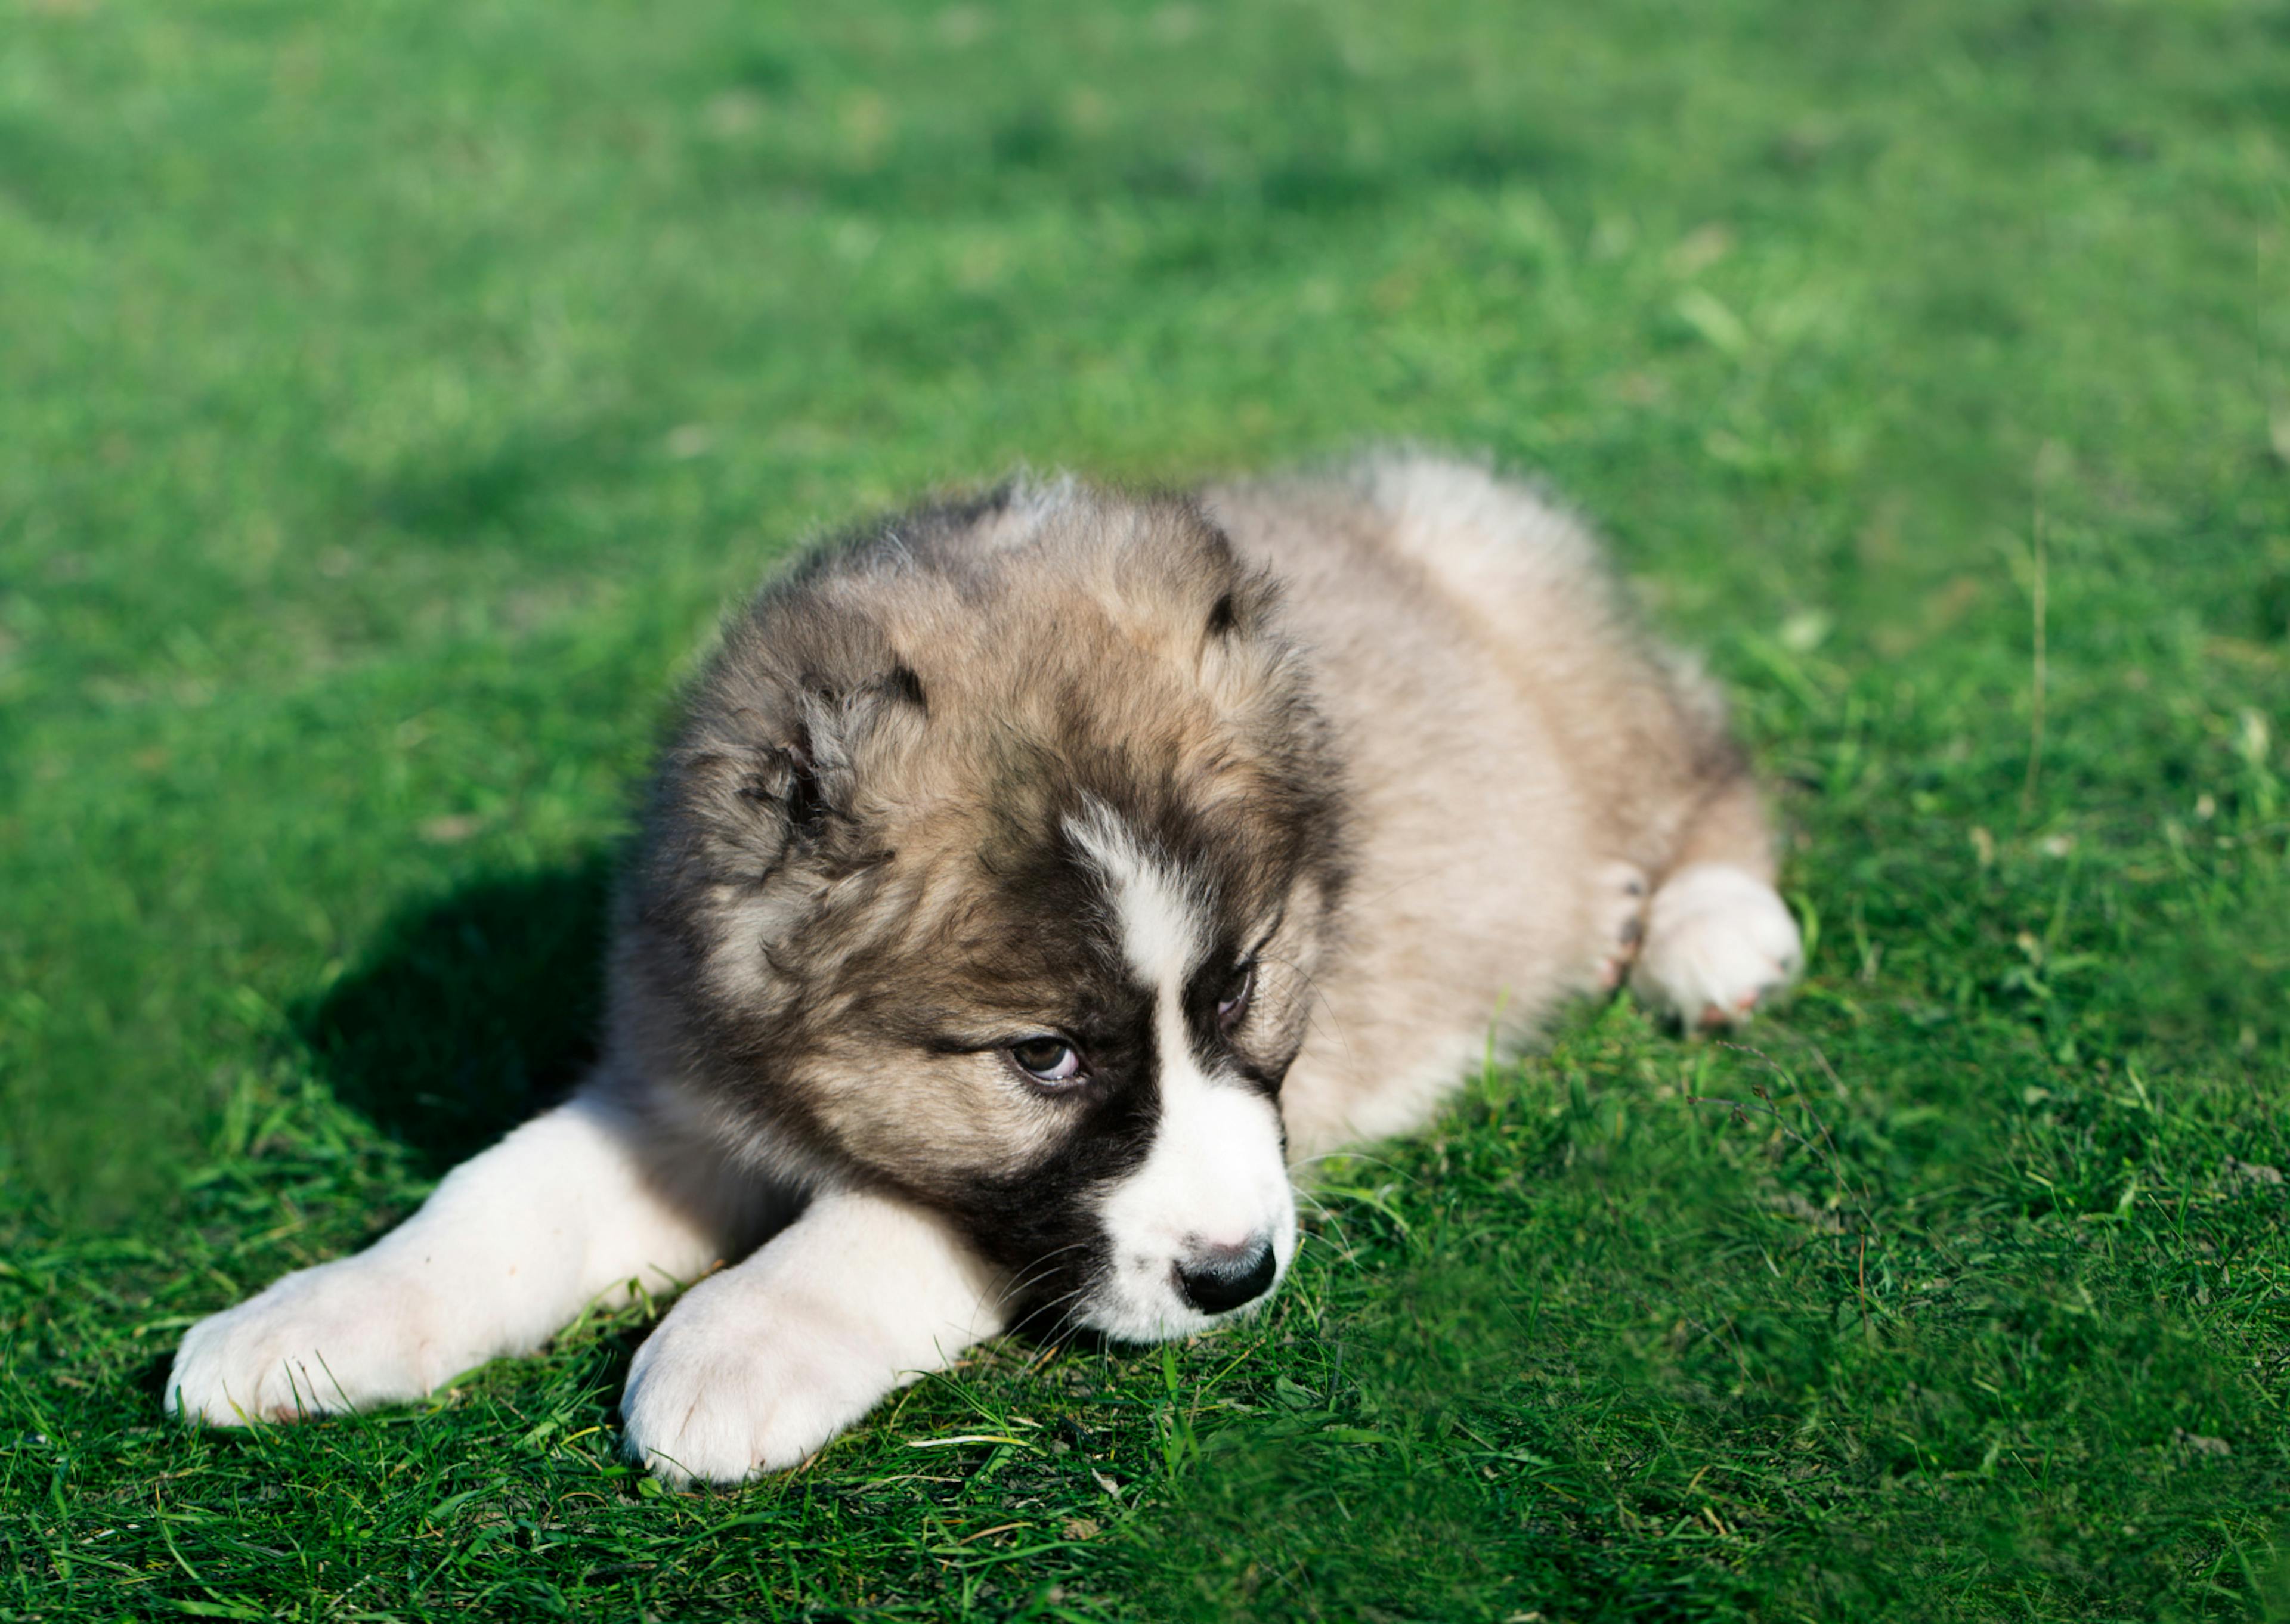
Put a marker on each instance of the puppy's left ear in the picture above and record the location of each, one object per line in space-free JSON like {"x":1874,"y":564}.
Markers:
{"x":1182,"y":585}
{"x":1240,"y":653}
{"x":1241,"y":608}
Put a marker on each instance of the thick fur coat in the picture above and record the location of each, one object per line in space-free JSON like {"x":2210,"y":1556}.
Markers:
{"x":1030,"y":881}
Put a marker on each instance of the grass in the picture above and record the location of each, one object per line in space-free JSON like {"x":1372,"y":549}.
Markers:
{"x":395,"y":394}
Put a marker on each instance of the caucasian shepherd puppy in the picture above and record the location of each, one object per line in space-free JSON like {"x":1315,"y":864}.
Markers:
{"x":1029,"y":883}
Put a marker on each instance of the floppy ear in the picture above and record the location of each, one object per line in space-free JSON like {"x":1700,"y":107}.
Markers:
{"x":753,"y":793}
{"x":783,"y":788}
{"x":788,"y":780}
{"x":1242,"y":609}
{"x":1180,"y":585}
{"x":780,"y":782}
{"x":1242,"y":656}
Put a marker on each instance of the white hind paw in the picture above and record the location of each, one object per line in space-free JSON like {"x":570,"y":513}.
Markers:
{"x":1717,"y":942}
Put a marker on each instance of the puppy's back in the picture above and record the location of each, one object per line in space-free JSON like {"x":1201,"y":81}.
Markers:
{"x":1513,"y":739}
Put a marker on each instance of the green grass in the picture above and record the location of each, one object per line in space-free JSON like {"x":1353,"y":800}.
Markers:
{"x":391,"y":396}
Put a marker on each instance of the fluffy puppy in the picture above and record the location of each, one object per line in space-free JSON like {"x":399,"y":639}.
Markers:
{"x":1029,"y":883}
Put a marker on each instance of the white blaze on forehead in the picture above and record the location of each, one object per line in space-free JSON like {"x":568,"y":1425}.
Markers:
{"x":1162,"y":916}
{"x":1216,"y":1175}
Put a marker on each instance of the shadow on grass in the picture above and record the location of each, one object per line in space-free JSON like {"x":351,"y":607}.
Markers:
{"x":471,"y":1011}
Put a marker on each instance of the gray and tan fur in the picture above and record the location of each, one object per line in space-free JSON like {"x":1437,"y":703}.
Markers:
{"x":1031,"y":881}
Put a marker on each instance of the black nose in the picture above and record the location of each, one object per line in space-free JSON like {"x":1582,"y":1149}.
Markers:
{"x":1224,"y":1277}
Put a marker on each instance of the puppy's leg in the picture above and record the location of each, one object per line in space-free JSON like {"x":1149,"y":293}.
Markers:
{"x":571,"y":1207}
{"x":1718,"y":939}
{"x":759,"y":1366}
{"x":1618,"y":910}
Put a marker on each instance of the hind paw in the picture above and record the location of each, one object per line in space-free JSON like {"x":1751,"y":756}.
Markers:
{"x":1719,"y":942}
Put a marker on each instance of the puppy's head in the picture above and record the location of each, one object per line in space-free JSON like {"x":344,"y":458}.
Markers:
{"x":994,"y":864}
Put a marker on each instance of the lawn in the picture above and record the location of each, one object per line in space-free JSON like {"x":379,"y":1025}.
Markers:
{"x":393,"y":397}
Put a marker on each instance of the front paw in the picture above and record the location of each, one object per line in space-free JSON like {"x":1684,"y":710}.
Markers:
{"x":341,"y":1336}
{"x":730,"y":1386}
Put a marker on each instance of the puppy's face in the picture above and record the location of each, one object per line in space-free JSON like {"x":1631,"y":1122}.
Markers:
{"x":1085,"y":1069}
{"x":997,"y":870}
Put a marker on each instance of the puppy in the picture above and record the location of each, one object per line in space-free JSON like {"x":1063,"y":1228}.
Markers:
{"x":1029,"y":883}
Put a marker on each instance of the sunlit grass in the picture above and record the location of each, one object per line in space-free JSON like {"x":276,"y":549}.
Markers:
{"x":391,"y":398}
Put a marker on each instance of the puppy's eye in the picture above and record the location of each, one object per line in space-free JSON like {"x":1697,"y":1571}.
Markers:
{"x":1234,"y":1005}
{"x":1046,"y":1059}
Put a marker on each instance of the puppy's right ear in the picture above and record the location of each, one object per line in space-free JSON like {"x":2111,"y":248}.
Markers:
{"x":770,"y":802}
{"x":750,"y":795}
{"x":784,"y":782}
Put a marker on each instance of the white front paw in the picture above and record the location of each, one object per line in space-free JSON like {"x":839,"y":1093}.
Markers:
{"x":345,"y":1335}
{"x":731,"y":1386}
{"x":1718,"y":941}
